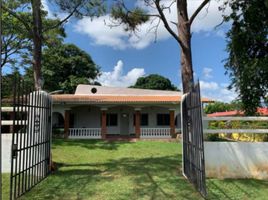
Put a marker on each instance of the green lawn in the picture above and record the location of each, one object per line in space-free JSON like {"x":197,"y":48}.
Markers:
{"x":90,"y":169}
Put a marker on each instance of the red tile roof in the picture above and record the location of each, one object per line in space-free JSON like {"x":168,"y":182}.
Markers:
{"x":261,"y":111}
{"x":67,"y":98}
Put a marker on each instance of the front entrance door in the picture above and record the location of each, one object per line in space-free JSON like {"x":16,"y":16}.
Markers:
{"x":124,"y":124}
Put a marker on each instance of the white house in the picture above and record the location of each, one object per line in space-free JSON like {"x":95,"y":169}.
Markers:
{"x":100,"y":112}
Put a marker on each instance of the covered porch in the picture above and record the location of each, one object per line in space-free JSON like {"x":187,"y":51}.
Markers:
{"x":128,"y":121}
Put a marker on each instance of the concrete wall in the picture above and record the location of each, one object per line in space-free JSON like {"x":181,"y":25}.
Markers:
{"x":6,"y":152}
{"x":236,"y":159}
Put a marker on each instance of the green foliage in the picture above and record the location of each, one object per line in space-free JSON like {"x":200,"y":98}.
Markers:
{"x":7,"y":83}
{"x":238,"y":125}
{"x":155,"y":82}
{"x":248,"y":51}
{"x":17,"y":39}
{"x":131,"y":19}
{"x":222,"y":107}
{"x":80,"y":8}
{"x":64,"y":67}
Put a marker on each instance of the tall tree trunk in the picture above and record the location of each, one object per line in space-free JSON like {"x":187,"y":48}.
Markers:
{"x":184,"y":32}
{"x":37,"y":43}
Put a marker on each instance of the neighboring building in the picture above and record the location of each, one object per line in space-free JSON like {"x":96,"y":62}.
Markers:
{"x":260,"y":111}
{"x":100,"y":112}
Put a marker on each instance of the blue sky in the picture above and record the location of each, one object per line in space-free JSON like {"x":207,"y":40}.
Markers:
{"x":124,"y":58}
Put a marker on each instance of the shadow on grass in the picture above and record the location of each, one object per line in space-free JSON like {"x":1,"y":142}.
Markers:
{"x":125,"y":178}
{"x":237,"y":189}
{"x":89,"y":144}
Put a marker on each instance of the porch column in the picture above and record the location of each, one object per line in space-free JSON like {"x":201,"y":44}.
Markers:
{"x":103,"y":123}
{"x":137,"y":122}
{"x":66,"y":123}
{"x":172,"y":122}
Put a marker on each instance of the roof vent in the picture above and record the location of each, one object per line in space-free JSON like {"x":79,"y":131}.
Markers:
{"x":93,"y":90}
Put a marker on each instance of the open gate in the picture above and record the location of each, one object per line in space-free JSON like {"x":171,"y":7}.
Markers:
{"x":31,"y":139}
{"x":193,"y":144}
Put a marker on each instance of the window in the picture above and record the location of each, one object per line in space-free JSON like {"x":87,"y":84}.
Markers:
{"x":163,"y":119}
{"x":71,"y":120}
{"x":144,"y":119}
{"x":111,"y":120}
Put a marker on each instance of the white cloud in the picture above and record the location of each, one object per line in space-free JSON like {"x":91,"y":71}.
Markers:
{"x":207,"y":72}
{"x":209,"y":85}
{"x":117,"y":38}
{"x":217,"y":91}
{"x":118,"y":79}
{"x":53,"y":14}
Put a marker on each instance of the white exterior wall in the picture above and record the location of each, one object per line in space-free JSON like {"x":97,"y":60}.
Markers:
{"x":6,"y":152}
{"x":86,"y":117}
{"x":236,"y":159}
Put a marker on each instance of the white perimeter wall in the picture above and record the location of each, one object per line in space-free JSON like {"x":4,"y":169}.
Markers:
{"x":6,"y":152}
{"x":236,"y":159}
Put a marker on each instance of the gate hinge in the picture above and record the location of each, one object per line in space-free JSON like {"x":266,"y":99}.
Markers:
{"x":14,"y":150}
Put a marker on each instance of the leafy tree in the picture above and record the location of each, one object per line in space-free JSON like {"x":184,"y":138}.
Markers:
{"x":222,"y":107}
{"x":17,"y":42}
{"x":64,"y":67}
{"x":133,"y":18}
{"x":155,"y":82}
{"x":248,"y":51}
{"x":7,"y":83}
{"x":35,"y":27}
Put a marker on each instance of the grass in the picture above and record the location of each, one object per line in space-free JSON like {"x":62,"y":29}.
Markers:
{"x":90,"y":169}
{"x":5,"y":182}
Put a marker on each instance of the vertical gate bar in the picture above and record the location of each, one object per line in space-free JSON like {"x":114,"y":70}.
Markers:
{"x":27,"y":136}
{"x":30,"y":137}
{"x":38,"y":137}
{"x":44,"y":138}
{"x":17,"y":143}
{"x":33,"y":134}
{"x":13,"y":139}
{"x":34,"y":137}
{"x":49,"y":159}
{"x":23,"y":121}
{"x":20,"y":151}
{"x":37,"y":134}
{"x":47,"y":117}
{"x":41,"y":138}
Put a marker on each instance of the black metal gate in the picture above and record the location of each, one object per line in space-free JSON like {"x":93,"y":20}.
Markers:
{"x":30,"y":140}
{"x":193,"y":144}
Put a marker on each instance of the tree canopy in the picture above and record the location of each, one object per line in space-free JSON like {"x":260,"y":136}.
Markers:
{"x":247,"y":62}
{"x":35,"y":27}
{"x":222,"y":107}
{"x":17,"y":42}
{"x":155,"y":82}
{"x":64,"y":67}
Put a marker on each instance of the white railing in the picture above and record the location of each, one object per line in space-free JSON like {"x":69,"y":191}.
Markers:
{"x":155,"y":133}
{"x":229,"y":119}
{"x":85,"y":133}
